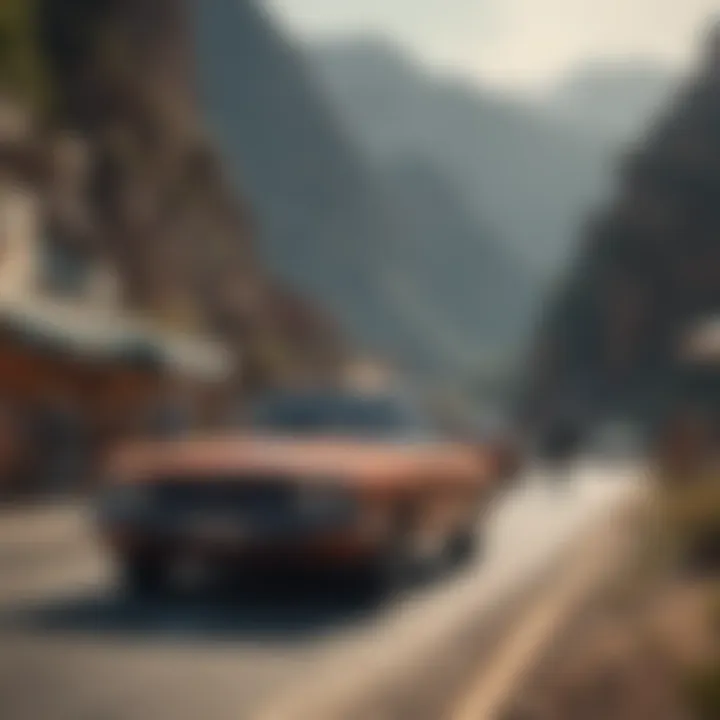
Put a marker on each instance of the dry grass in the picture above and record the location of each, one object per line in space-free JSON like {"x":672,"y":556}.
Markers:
{"x":649,"y":648}
{"x":624,"y":665}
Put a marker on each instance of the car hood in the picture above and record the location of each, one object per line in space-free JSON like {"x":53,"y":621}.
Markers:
{"x":321,"y":459}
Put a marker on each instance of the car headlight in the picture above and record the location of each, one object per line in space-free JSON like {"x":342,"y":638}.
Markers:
{"x":125,"y":500}
{"x":325,"y":502}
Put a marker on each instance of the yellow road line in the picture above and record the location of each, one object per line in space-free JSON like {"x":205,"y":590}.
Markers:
{"x":490,"y":694}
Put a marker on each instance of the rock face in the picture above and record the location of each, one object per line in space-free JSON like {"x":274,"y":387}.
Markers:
{"x":649,"y":265}
{"x":124,"y":77}
{"x":124,"y":74}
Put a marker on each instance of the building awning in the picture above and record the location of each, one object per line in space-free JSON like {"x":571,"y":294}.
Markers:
{"x":112,"y":337}
{"x":192,"y":356}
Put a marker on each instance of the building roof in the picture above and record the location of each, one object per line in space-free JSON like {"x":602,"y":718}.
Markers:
{"x":110,"y":336}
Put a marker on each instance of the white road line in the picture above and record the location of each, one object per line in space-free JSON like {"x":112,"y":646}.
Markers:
{"x":26,"y":586}
{"x":37,"y":526}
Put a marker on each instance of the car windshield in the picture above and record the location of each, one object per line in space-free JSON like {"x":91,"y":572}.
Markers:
{"x":376,"y":417}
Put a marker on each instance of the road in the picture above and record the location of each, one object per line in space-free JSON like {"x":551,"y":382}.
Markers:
{"x":72,"y":648}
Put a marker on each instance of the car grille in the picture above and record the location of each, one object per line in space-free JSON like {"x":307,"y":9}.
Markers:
{"x":251,"y":498}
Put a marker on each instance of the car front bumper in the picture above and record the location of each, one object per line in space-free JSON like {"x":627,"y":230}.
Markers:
{"x":213,"y":540}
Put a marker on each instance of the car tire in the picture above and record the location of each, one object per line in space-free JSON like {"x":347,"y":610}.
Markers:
{"x":144,"y":576}
{"x":390,"y":571}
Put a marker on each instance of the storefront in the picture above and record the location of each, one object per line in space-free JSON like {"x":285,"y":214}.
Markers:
{"x":73,"y":380}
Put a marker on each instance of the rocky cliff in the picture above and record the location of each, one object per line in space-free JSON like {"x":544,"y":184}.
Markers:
{"x":649,"y":265}
{"x":123,"y":77}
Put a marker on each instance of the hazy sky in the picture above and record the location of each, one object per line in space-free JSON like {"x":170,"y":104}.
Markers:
{"x":524,"y":44}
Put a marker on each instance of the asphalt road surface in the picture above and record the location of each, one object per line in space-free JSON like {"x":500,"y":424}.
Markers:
{"x":71,"y":647}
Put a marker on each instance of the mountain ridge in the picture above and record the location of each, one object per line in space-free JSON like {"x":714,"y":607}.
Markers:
{"x":499,"y":151}
{"x":328,"y":219}
{"x":612,"y":99}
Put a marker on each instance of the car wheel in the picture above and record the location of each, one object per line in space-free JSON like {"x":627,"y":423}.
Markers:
{"x":391,"y":570}
{"x":144,"y":576}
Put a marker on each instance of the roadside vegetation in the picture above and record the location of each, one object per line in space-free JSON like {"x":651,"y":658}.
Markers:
{"x":693,"y":512}
{"x":649,"y":647}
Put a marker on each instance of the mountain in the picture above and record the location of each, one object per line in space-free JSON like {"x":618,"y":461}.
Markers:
{"x":331,"y":219}
{"x":459,"y":263}
{"x":518,"y":170}
{"x":648,"y":268}
{"x":322,"y":224}
{"x":613,"y":100}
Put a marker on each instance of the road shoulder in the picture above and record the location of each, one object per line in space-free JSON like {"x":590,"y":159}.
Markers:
{"x":589,"y":567}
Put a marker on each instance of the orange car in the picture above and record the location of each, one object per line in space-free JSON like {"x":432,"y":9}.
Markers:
{"x":332,"y":479}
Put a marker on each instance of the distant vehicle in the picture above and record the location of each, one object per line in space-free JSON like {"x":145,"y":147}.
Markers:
{"x":560,"y":444}
{"x":330,"y":478}
{"x":500,"y":432}
{"x":617,"y":439}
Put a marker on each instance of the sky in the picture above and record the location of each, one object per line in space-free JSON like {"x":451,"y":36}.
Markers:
{"x":523,"y":46}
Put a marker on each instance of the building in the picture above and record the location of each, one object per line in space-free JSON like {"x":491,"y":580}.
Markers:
{"x":78,"y":370}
